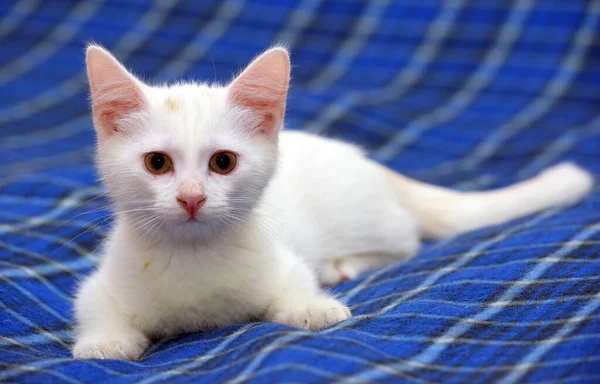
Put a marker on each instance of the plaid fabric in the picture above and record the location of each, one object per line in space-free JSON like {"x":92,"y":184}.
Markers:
{"x":468,"y":94}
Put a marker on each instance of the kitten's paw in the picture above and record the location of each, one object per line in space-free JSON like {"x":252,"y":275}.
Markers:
{"x":337,"y":271}
{"x":121,"y":346}
{"x":325,"y":311}
{"x":320,"y":313}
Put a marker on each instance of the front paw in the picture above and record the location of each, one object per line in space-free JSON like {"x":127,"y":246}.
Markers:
{"x":319,"y":313}
{"x":122,"y":346}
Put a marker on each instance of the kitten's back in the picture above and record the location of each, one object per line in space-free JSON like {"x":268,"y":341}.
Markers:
{"x":327,"y":199}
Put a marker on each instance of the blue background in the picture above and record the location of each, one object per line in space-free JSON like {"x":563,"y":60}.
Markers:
{"x":466,"y":94}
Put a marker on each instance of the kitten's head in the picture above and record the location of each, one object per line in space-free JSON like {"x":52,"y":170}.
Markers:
{"x":188,"y":159}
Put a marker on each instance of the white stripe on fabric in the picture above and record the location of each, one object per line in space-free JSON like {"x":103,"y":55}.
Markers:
{"x":460,"y":100}
{"x":440,"y":343}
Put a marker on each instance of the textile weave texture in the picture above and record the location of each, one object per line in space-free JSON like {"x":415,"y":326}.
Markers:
{"x":465,"y":94}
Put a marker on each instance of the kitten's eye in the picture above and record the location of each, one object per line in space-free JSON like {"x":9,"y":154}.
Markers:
{"x":158,"y":163}
{"x":222,"y":162}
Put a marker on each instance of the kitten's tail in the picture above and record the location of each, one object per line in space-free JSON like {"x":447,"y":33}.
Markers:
{"x":443,"y":212}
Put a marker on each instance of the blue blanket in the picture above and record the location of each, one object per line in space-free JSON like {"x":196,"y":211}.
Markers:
{"x":466,"y":94}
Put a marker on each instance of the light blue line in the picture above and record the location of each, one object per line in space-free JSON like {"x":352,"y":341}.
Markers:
{"x":48,"y":179}
{"x":593,"y":378}
{"x":557,"y":86}
{"x":72,"y":267}
{"x":404,"y":80}
{"x":441,"y":343}
{"x":560,"y":146}
{"x":302,"y":367}
{"x":36,"y":339}
{"x":297,"y":22}
{"x":16,"y":315}
{"x":72,"y":201}
{"x":26,"y":343}
{"x":550,"y":95}
{"x":466,"y":268}
{"x":560,"y":336}
{"x":36,"y":366}
{"x":41,"y":201}
{"x":16,"y":15}
{"x":30,"y":273}
{"x":199,"y":45}
{"x":494,"y":59}
{"x":64,"y":242}
{"x":292,"y":347}
{"x":36,"y":300}
{"x":78,"y":157}
{"x":32,"y":368}
{"x":55,"y":40}
{"x":97,"y":224}
{"x":132,"y":39}
{"x":175,"y":67}
{"x":181,"y":369}
{"x":52,"y":266}
{"x":496,"y":323}
{"x":365,"y":26}
{"x":551,"y":341}
{"x":43,"y":136}
{"x":388,"y":370}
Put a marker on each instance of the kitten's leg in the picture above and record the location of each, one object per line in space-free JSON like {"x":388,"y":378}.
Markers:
{"x":396,"y":238}
{"x":346,"y":268}
{"x":300,"y":303}
{"x":103,"y":331}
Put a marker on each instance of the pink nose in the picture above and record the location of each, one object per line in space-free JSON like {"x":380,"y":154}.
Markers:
{"x":191,"y":203}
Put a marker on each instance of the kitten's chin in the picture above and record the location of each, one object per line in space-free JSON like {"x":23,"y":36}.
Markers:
{"x":196,"y":229}
{"x":182,"y":228}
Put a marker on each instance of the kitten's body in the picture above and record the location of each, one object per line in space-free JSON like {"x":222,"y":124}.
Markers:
{"x":328,"y":200}
{"x":256,"y":249}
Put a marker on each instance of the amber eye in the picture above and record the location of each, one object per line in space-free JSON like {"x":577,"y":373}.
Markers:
{"x":222,"y":162}
{"x":158,"y":163}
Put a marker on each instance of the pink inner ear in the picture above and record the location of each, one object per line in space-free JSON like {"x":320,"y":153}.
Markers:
{"x":113,"y":102}
{"x":268,"y":104}
{"x":263,"y":87}
{"x":115,"y":92}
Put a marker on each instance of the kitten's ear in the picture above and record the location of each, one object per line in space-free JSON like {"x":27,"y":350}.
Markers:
{"x":115,"y":92}
{"x":262,"y":88}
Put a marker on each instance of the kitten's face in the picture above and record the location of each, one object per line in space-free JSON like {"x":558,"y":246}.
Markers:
{"x":189,"y":160}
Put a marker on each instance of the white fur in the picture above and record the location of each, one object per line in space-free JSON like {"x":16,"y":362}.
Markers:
{"x":294,"y":211}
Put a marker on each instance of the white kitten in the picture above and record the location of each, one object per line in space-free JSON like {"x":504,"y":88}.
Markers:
{"x":213,"y":227}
